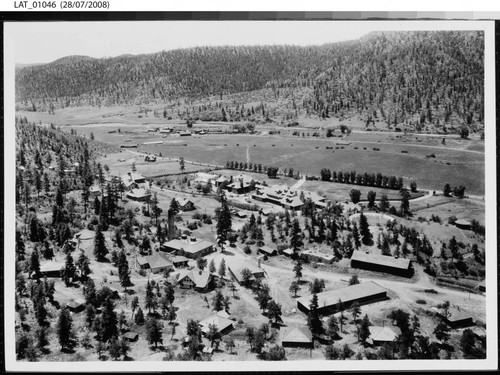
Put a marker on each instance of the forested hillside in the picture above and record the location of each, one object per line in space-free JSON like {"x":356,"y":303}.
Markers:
{"x":417,"y":78}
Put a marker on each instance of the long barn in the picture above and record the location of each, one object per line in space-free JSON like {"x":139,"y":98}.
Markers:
{"x":382,"y":263}
{"x":328,"y":302}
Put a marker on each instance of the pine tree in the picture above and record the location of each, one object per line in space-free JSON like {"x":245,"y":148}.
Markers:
{"x":223,"y":222}
{"x":151,"y":299}
{"x":139,"y":317}
{"x":109,"y":321}
{"x":83,"y":265}
{"x":363,"y":330}
{"x":153,"y":331}
{"x":355,"y":236}
{"x":294,"y":288}
{"x":218,"y":301}
{"x":211,"y":266}
{"x":64,"y":328}
{"x":123,"y":270}
{"x":297,"y":268}
{"x":356,"y":311}
{"x":222,"y":268}
{"x":34,"y":265}
{"x":100,"y":249}
{"x":90,"y":313}
{"x":313,"y":317}
{"x":332,"y":327}
{"x":364,"y":229}
{"x":384,"y":203}
{"x":69,"y":271}
{"x":296,"y":237}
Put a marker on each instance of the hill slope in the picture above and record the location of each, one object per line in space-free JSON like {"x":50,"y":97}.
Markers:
{"x":416,"y":78}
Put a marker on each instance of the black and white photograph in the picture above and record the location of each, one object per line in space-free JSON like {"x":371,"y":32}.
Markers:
{"x":321,"y":193}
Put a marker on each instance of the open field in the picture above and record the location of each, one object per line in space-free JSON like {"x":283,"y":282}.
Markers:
{"x":458,"y":162}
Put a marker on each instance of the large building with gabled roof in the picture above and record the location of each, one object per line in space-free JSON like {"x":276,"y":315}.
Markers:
{"x":382,"y":263}
{"x":191,"y":248}
{"x":328,"y":302}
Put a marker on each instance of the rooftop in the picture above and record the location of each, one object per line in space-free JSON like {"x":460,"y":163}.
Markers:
{"x":382,"y":260}
{"x":346,"y":294}
{"x":217,"y":319}
{"x":298,"y":334}
{"x":156,"y":260}
{"x":386,"y":333}
{"x":188,"y":245}
{"x":198,"y":277}
{"x":138,"y":193}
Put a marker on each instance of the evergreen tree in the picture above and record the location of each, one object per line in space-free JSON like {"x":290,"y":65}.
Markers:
{"x":153,"y":331}
{"x":355,"y":236}
{"x":384,"y":203}
{"x":151,"y":299}
{"x":83,"y":265}
{"x":332,"y":327}
{"x":109,"y":321}
{"x":211,"y":266}
{"x":42,"y":338}
{"x":364,"y":229}
{"x":34,"y":265}
{"x":442,"y":332}
{"x":294,"y":287}
{"x":223,"y":222}
{"x":218,"y":301}
{"x":222,"y":268}
{"x":356,"y":311}
{"x":297,"y":268}
{"x":90,"y":313}
{"x":363,"y":330}
{"x":274,"y":311}
{"x":69,"y":271}
{"x":404,"y":209}
{"x":64,"y":328}
{"x":213,"y":335}
{"x":296,"y":237}
{"x":313,"y":317}
{"x":139,"y":317}
{"x":100,"y":249}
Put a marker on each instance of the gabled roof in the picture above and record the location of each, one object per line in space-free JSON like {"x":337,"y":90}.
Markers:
{"x":267,"y":249}
{"x":381,"y":260}
{"x":138,"y":193}
{"x":319,"y":254}
{"x":188,"y":246}
{"x":183,"y":201}
{"x":386,"y":333}
{"x":298,"y":335}
{"x":199,"y":278}
{"x":130,"y":335}
{"x":75,"y":304}
{"x":85,"y":234}
{"x":155,"y":261}
{"x":51,"y":266}
{"x":345,"y":294}
{"x":457,"y":315}
{"x":236,"y":269}
{"x":216,"y":319}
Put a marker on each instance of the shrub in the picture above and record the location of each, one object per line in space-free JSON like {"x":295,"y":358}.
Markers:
{"x":192,"y":225}
{"x":421,"y":301}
